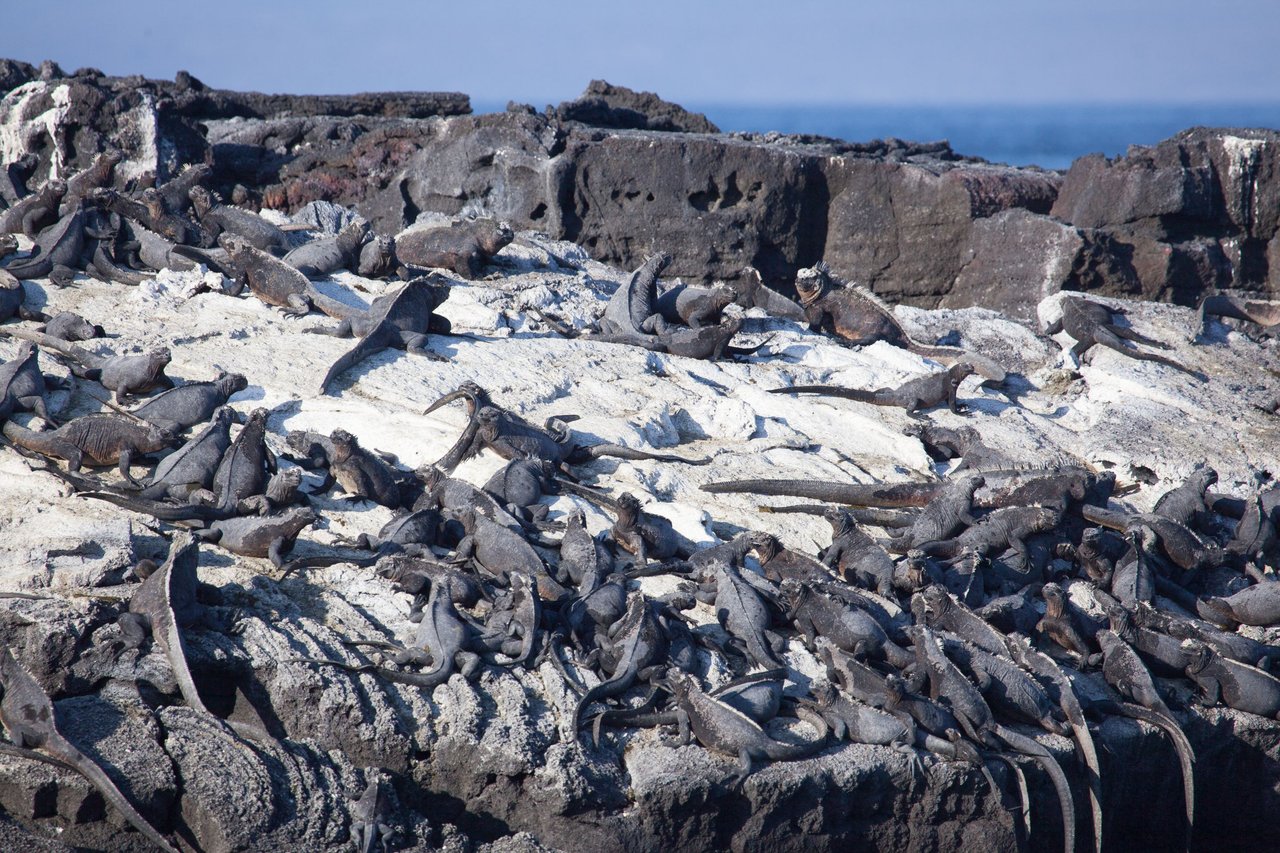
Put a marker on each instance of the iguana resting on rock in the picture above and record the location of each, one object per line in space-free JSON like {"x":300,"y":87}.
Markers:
{"x":695,"y":307}
{"x":855,"y":556}
{"x":1124,"y":670}
{"x":370,"y":828}
{"x":443,"y":641}
{"x":1091,"y":323}
{"x":1177,"y":542}
{"x":126,"y":375}
{"x":636,"y":649}
{"x":860,"y":317}
{"x":327,"y":255}
{"x":23,"y":386}
{"x":951,"y":510}
{"x":360,"y":473}
{"x":632,"y":311}
{"x":94,"y":176}
{"x":512,"y":437}
{"x":721,"y":727}
{"x":850,"y":628}
{"x":191,"y":403}
{"x":57,"y":252}
{"x":248,"y":228}
{"x":464,"y":247}
{"x":914,"y":395}
{"x":36,"y":212}
{"x":276,"y":283}
{"x":29,"y":719}
{"x":97,"y":439}
{"x":1234,"y":684}
{"x":401,"y":320}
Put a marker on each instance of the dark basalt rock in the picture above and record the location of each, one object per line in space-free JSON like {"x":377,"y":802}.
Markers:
{"x":604,"y":105}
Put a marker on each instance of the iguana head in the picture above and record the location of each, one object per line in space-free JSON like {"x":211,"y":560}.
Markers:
{"x":839,"y":519}
{"x":765,"y":545}
{"x":812,"y":283}
{"x":1197,"y":654}
{"x":937,"y":602}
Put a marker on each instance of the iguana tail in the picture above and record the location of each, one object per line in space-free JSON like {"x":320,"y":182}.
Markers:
{"x":112,"y":794}
{"x":852,"y":494}
{"x":617,"y":451}
{"x":1029,"y":747}
{"x":83,"y":357}
{"x":620,"y":682}
{"x":985,"y":367}
{"x":162,"y":510}
{"x":1186,"y":755}
{"x":830,"y":391}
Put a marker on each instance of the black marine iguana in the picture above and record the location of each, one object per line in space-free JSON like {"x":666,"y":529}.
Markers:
{"x":914,"y":395}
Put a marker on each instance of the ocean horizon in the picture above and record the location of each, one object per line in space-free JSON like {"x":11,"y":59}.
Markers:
{"x":1048,"y":135}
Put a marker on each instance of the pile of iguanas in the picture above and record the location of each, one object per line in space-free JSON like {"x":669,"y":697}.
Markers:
{"x":948,"y":636}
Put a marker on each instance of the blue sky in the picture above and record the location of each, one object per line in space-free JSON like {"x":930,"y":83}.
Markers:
{"x":927,"y":51}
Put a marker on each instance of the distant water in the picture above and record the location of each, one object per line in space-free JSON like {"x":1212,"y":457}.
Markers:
{"x":1048,"y":136}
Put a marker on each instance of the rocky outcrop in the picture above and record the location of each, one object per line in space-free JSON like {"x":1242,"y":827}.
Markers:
{"x":604,"y":105}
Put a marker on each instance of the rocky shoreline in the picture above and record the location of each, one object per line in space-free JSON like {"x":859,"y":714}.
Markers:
{"x":979,"y":256}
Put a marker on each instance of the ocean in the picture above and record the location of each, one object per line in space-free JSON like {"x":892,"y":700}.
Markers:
{"x":1051,"y":136}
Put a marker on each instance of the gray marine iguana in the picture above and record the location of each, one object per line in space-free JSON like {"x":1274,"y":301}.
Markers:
{"x":97,"y":439}
{"x":23,"y":386}
{"x":30,"y":720}
{"x":370,"y":828}
{"x":723,"y":728}
{"x":1234,"y":684}
{"x":979,"y":723}
{"x":276,"y":283}
{"x":35,"y":212}
{"x":248,"y":228}
{"x":860,"y":317}
{"x":855,"y":556}
{"x":1091,"y":323}
{"x":322,"y":257}
{"x":401,"y":320}
{"x":914,"y":395}
{"x":190,"y":403}
{"x":512,"y":437}
{"x":125,"y":375}
{"x":463,"y":248}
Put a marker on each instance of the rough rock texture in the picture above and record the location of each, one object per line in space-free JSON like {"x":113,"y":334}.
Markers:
{"x":604,"y":105}
{"x":491,"y":762}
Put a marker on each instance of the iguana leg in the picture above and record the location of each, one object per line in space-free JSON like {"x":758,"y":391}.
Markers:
{"x":134,"y":628}
{"x":61,"y":276}
{"x":36,"y":404}
{"x":280,"y":547}
{"x":468,"y":663}
{"x":126,"y":462}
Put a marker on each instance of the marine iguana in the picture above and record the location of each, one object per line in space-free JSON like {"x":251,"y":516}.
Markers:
{"x":242,"y":474}
{"x":857,"y":557}
{"x":97,"y":439}
{"x":401,"y":320}
{"x":946,"y":513}
{"x":1234,"y":684}
{"x":191,"y":403}
{"x":248,"y":229}
{"x":70,"y":326}
{"x":1004,"y":529}
{"x":943,"y":612}
{"x":979,"y":723}
{"x":377,"y":258}
{"x":1004,"y":685}
{"x":858,"y":316}
{"x":443,"y":641}
{"x":512,"y":437}
{"x":276,"y":283}
{"x":38,"y":211}
{"x":370,"y":815}
{"x":1229,"y":644}
{"x":743,"y":612}
{"x":1188,"y":503}
{"x":270,"y":536}
{"x":721,"y":727}
{"x":1176,"y":541}
{"x":1059,"y":624}
{"x":94,"y":176}
{"x":636,"y":650}
{"x":944,"y":443}
{"x":320,"y":258}
{"x":463,"y":248}
{"x":57,"y":252}
{"x":30,"y":720}
{"x":1124,"y":670}
{"x":1164,"y":655}
{"x":23,"y":386}
{"x":1091,"y":323}
{"x":360,"y":473}
{"x":779,"y":562}
{"x":497,"y":551}
{"x":126,"y":375}
{"x":850,"y":628}
{"x":914,"y":395}
{"x":695,"y":307}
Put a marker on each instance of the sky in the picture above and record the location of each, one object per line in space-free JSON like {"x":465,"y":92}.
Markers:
{"x":695,"y":53}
